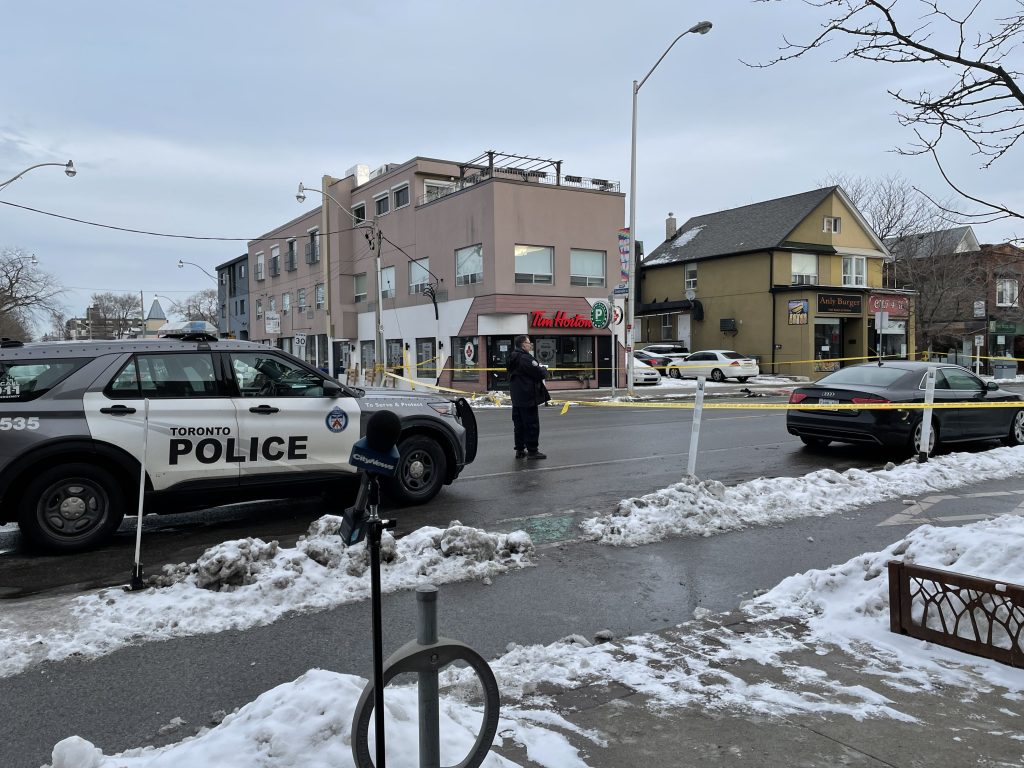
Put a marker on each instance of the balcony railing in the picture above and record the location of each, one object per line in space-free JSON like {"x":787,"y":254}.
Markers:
{"x":517,"y":174}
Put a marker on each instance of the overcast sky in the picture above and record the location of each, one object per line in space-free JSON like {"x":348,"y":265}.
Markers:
{"x":200,"y":118}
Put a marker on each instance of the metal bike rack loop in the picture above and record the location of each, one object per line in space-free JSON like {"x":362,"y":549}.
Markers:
{"x":427,"y":655}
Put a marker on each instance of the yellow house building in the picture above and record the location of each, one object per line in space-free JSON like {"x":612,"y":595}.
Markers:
{"x":795,"y":282}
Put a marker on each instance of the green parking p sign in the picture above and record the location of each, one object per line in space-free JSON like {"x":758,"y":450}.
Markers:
{"x":600,"y":314}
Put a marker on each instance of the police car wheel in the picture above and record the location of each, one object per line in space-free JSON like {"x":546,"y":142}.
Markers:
{"x":71,"y":507}
{"x":421,"y":471}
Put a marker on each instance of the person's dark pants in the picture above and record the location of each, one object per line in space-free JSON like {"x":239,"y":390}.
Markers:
{"x":526,"y":426}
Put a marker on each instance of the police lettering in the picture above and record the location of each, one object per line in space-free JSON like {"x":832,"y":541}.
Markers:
{"x":199,"y":431}
{"x":211,"y":451}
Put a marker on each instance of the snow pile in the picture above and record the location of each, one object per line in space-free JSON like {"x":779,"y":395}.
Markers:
{"x":246,"y":583}
{"x":848,"y":605}
{"x":703,"y":508}
{"x":307,"y":723}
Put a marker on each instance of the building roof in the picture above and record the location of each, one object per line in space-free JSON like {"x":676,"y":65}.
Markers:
{"x":156,"y":312}
{"x":749,"y":228}
{"x":941,"y":242}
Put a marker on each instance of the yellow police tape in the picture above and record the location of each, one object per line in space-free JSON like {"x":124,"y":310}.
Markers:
{"x":500,"y":397}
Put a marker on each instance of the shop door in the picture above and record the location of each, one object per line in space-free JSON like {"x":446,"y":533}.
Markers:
{"x":498,"y":349}
{"x":604,"y":361}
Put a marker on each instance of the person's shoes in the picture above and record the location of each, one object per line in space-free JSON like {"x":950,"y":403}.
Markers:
{"x":536,"y":455}
{"x":520,"y":454}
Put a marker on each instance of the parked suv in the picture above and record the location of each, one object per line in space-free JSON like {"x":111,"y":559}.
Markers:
{"x":217,"y":421}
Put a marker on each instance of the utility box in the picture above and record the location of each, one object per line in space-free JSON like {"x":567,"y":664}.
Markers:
{"x":1004,"y":369}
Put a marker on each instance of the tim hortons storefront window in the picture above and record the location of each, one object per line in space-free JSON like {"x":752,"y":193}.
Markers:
{"x":568,"y":357}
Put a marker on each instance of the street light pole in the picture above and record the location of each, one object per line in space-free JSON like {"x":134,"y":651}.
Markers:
{"x":701,"y":28}
{"x":69,"y":169}
{"x":325,"y":221}
{"x":227,"y":302}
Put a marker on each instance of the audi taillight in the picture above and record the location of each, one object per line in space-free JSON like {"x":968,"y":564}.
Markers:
{"x":797,"y":397}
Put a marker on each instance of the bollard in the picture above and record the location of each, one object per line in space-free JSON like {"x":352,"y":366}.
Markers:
{"x":426,"y":634}
{"x":698,"y":407}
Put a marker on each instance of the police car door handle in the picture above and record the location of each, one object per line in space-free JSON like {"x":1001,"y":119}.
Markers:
{"x":118,"y":410}
{"x":264,"y":409}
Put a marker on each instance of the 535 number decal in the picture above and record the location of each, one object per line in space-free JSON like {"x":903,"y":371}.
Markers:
{"x":8,"y":423}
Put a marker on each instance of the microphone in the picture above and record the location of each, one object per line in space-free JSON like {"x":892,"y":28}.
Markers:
{"x":375,"y":454}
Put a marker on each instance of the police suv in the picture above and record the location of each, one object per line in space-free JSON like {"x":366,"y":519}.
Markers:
{"x":216,"y":421}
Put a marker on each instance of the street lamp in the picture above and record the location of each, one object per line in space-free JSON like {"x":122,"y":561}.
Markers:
{"x":69,"y":169}
{"x":326,"y":230}
{"x":701,"y":28}
{"x":227,"y":309}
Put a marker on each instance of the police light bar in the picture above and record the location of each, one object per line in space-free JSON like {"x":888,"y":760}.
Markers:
{"x":188,"y":328}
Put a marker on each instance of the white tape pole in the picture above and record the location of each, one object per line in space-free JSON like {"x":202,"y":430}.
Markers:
{"x":142,"y":489}
{"x":698,"y":406}
{"x":926,"y":416}
{"x":614,"y":353}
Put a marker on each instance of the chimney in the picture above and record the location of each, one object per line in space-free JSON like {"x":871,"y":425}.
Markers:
{"x":670,"y":226}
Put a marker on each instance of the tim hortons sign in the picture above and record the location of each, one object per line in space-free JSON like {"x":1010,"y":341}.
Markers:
{"x":559,"y":319}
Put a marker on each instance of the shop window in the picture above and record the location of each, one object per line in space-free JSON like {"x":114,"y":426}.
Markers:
{"x":567,"y":357}
{"x":366,"y":356}
{"x":426,"y":358}
{"x":534,"y":264}
{"x":393,"y":356}
{"x":465,"y":366}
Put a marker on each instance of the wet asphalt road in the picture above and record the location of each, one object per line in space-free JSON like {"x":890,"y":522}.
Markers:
{"x":597,"y":456}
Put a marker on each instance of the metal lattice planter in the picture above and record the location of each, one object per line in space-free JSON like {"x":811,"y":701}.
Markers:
{"x":983,"y":617}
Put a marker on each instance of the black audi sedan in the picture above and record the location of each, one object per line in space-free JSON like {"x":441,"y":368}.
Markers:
{"x":896,"y":382}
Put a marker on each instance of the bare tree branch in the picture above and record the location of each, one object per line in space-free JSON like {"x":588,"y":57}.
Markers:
{"x":983,"y":105}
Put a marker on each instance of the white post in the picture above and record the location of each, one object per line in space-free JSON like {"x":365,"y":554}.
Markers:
{"x":698,"y":406}
{"x":926,"y":416}
{"x":611,"y":328}
{"x":136,"y":581}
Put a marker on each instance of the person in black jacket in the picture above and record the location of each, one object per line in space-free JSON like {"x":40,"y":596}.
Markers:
{"x":526,"y":376}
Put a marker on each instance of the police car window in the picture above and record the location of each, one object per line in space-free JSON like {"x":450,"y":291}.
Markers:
{"x":261,"y":374}
{"x":165,"y":376}
{"x":23,"y":381}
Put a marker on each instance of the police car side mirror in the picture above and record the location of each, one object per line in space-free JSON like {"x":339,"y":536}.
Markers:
{"x":332,"y":388}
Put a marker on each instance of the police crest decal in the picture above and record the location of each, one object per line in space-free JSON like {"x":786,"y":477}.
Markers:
{"x":337,"y":420}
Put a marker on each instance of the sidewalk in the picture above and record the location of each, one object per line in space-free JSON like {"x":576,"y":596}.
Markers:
{"x":927,"y":724}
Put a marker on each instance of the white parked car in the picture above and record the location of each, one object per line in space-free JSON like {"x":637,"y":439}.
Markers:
{"x":645,"y":374}
{"x":714,"y":364}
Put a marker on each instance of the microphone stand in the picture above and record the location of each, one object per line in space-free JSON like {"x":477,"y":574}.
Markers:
{"x":375,"y":527}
